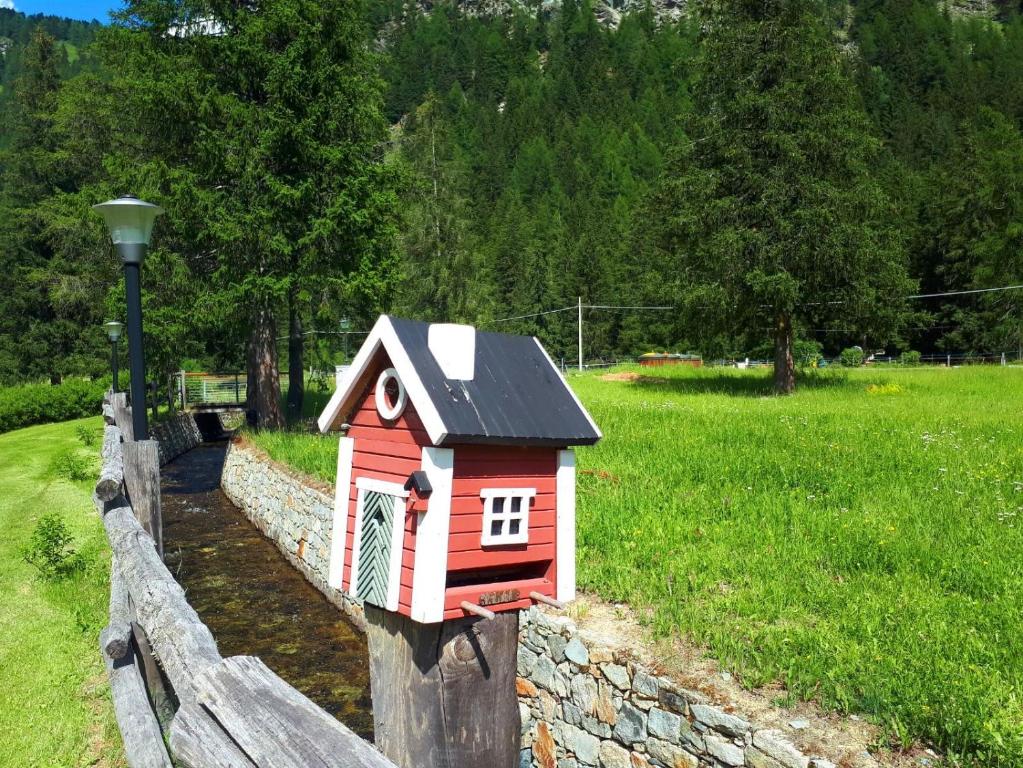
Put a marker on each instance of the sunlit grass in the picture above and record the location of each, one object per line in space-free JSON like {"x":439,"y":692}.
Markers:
{"x":55,"y":705}
{"x":858,"y":541}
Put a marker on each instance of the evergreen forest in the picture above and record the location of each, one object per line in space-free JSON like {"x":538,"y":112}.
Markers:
{"x":785,"y":176}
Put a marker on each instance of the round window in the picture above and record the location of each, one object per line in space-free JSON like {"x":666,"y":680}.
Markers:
{"x":390,"y":395}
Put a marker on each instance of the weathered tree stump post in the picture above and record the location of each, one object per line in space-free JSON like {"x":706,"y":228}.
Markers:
{"x":444,"y":694}
{"x":122,"y":415}
{"x":142,"y":479}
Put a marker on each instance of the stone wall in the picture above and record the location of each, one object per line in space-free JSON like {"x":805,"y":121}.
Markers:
{"x":176,"y":435}
{"x":582,"y":703}
{"x":585,"y":704}
{"x":293,"y":514}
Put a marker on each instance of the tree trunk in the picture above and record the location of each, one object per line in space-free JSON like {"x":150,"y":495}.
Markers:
{"x":784,"y":365}
{"x":264,"y":381}
{"x":251,"y":379}
{"x":296,"y":349}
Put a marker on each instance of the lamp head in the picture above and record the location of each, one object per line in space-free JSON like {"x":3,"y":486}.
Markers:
{"x":113,"y":329}
{"x":130,"y":222}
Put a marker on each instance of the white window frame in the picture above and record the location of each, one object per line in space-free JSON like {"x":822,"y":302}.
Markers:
{"x":525,"y":496}
{"x":390,"y":412}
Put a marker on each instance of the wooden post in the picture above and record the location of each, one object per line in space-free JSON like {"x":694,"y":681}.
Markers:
{"x":444,"y":694}
{"x":115,"y":639}
{"x":180,"y":640}
{"x":142,"y":479}
{"x":122,"y":415}
{"x":111,"y":475}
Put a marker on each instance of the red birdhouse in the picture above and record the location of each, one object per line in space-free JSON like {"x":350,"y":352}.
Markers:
{"x":456,"y":478}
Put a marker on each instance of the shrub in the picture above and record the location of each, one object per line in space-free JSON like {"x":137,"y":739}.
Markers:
{"x":87,"y":436}
{"x":30,"y":404}
{"x":910,"y":357}
{"x":806,"y":352}
{"x":851,"y":357}
{"x":70,"y":466}
{"x":51,"y":549}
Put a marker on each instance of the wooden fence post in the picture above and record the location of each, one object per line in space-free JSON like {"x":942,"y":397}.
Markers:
{"x":444,"y":694}
{"x":122,"y":415}
{"x":142,"y":479}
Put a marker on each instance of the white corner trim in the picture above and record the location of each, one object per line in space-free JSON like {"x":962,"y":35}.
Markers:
{"x":339,"y":530}
{"x":381,"y":486}
{"x":429,"y":580}
{"x":454,"y":348}
{"x":383,"y":334}
{"x":565,"y":586}
{"x":570,"y":390}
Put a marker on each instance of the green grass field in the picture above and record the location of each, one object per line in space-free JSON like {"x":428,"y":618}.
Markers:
{"x":859,"y":541}
{"x":54,"y":707}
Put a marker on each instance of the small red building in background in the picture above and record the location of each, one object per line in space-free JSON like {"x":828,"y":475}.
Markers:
{"x":456,"y":478}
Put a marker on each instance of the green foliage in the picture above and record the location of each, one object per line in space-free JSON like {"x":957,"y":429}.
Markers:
{"x":71,"y":466}
{"x":772,"y":211}
{"x":86,"y":435}
{"x":51,"y":548}
{"x":30,"y":404}
{"x":851,"y":357}
{"x":910,"y":357}
{"x":806,"y":353}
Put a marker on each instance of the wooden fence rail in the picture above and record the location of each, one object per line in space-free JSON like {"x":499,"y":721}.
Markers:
{"x":226,"y":713}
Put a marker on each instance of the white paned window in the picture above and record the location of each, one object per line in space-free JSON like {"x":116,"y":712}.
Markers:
{"x":506,"y":515}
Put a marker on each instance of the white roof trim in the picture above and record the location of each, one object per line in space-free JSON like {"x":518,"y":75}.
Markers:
{"x":383,"y":335}
{"x":571,"y":391}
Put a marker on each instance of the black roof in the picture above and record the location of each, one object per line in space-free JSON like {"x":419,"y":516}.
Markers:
{"x":516,"y":396}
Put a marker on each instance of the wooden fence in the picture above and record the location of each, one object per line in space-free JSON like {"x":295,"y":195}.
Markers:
{"x":174,"y":695}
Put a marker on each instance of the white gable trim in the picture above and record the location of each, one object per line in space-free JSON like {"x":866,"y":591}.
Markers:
{"x":383,"y":335}
{"x":565,"y":577}
{"x":564,"y":383}
{"x":429,"y":579}
{"x":342,"y":494}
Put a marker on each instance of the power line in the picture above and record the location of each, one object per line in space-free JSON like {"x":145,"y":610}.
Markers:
{"x":963,"y":293}
{"x":605,"y":306}
{"x":568,"y":309}
{"x":535,"y":314}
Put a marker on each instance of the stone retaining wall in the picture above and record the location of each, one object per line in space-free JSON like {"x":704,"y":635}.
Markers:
{"x":176,"y":435}
{"x":291,"y":513}
{"x":585,"y":704}
{"x":582,"y":703}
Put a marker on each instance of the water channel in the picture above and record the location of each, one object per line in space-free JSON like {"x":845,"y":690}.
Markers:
{"x":252,"y":599}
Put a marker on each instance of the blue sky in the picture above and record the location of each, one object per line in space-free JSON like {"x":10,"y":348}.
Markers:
{"x":75,"y":9}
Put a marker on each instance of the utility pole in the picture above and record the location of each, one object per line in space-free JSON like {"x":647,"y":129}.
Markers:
{"x":580,"y":333}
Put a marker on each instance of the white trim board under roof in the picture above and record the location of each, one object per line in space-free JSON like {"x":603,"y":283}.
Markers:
{"x":516,"y":395}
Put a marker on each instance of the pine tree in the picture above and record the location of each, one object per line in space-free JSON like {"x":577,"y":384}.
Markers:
{"x":770,"y":214}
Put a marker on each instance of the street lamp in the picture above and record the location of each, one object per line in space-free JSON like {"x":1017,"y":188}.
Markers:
{"x":113,"y":329}
{"x":130,"y":222}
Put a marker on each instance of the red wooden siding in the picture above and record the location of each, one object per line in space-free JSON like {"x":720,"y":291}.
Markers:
{"x":480,"y":467}
{"x":387,"y":451}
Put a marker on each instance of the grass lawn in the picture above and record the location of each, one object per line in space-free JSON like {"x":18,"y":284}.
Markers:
{"x":859,"y":541}
{"x":55,"y":705}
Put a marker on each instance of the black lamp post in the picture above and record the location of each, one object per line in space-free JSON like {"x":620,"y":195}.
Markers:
{"x":130,"y":222}
{"x":113,"y":329}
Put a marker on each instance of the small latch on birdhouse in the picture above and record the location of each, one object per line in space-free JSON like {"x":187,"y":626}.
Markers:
{"x":420,"y":482}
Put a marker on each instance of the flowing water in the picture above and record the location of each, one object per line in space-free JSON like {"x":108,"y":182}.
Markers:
{"x":252,"y":599}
